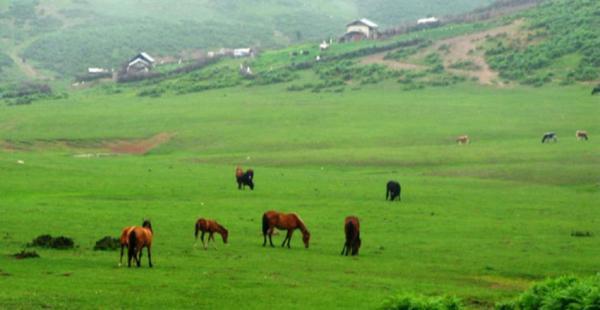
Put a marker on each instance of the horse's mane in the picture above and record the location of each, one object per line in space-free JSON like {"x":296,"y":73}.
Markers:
{"x":300,"y":223}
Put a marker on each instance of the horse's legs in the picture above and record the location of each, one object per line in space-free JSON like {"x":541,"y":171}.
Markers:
{"x":344,"y":248}
{"x":202,"y":238}
{"x":149,"y":257}
{"x":211,"y":236}
{"x":270,"y":233}
{"x":139,"y":259}
{"x":288,"y":238}
{"x":121,"y":259}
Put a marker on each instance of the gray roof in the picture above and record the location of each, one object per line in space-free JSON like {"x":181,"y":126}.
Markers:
{"x":365,"y":22}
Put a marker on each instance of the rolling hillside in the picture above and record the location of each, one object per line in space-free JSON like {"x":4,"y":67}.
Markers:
{"x":65,"y":37}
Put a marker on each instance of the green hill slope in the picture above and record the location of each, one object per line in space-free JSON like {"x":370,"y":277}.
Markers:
{"x":68,"y":36}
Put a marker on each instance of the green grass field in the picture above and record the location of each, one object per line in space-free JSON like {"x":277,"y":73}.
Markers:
{"x":481,"y":221}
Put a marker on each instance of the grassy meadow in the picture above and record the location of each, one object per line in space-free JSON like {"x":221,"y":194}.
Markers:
{"x":481,"y":221}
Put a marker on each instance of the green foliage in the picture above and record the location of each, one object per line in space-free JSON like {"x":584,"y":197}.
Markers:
{"x":465,"y":65}
{"x":5,"y":61}
{"x":567,"y":292}
{"x":563,"y":27}
{"x":419,"y":302}
{"x":404,"y":53}
{"x":273,"y":77}
{"x":69,"y":36}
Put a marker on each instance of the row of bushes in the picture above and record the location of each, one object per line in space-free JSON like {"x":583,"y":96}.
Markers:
{"x":567,"y":292}
{"x":565,"y":27}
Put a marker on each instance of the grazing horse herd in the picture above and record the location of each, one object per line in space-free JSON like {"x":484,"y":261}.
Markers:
{"x":136,"y":238}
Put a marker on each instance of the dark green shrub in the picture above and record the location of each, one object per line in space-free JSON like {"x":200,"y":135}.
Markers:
{"x":419,"y":302}
{"x":567,"y":292}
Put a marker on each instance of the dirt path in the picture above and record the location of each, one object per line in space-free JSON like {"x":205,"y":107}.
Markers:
{"x":463,"y":48}
{"x":13,"y":51}
{"x":141,"y":146}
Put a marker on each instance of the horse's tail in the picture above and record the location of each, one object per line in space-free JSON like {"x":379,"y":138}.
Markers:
{"x":350,"y":231}
{"x":387,"y":192}
{"x":132,"y":244}
{"x":197,"y":229}
{"x":265,"y":224}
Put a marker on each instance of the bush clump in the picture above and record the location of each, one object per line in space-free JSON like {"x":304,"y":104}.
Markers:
{"x":47,"y":241}
{"x":26,"y":254}
{"x":419,"y":302}
{"x":567,"y":292}
{"x":107,"y":244}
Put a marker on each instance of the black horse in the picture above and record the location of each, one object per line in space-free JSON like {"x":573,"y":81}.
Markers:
{"x":393,"y":191}
{"x":246,"y":179}
{"x":596,"y":90}
{"x":549,"y":136}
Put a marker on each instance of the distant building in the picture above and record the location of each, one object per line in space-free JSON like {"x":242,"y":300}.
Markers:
{"x":428,"y":21}
{"x":361,"y":29}
{"x":97,"y":70}
{"x":243,"y":52}
{"x":141,"y":62}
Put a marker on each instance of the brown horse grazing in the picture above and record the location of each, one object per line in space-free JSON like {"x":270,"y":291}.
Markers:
{"x":283,"y":221}
{"x":581,"y":135}
{"x":210,"y":227}
{"x":352,"y":231}
{"x":124,"y":241}
{"x":138,"y":238}
{"x":244,"y":179}
{"x":463,"y":140}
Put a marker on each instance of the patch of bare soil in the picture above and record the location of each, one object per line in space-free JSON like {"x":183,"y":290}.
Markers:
{"x":464,"y":48}
{"x":139,"y":147}
{"x":91,"y":148}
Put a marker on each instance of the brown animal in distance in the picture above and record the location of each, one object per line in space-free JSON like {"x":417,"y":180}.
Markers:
{"x":211,"y":227}
{"x":581,"y":135}
{"x":352,"y":232}
{"x":463,"y":140}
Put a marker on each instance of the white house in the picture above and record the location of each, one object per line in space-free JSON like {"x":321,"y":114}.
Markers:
{"x":361,"y":29}
{"x":428,"y":21}
{"x":97,"y":70}
{"x":243,"y":52}
{"x":141,"y":62}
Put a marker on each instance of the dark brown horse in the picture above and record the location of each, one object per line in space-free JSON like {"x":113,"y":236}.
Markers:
{"x":352,"y":231}
{"x":136,"y":238}
{"x":244,"y":178}
{"x":211,"y":227}
{"x":283,"y":221}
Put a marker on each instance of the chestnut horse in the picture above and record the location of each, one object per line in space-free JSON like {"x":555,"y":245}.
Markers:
{"x":244,"y":178}
{"x":581,"y":134}
{"x":136,"y":238}
{"x":352,"y":231}
{"x":210,"y":227}
{"x":283,"y":221}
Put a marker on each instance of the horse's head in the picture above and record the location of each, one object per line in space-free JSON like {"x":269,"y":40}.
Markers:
{"x":306,"y":238}
{"x":224,"y":234}
{"x":147,"y":224}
